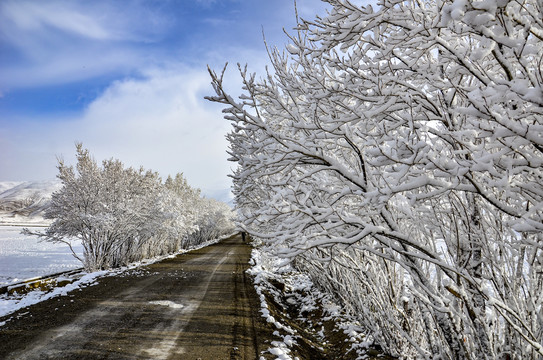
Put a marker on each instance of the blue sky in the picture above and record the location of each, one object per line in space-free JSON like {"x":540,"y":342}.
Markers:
{"x":127,"y":78}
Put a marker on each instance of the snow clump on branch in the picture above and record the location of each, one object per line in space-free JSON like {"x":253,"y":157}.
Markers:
{"x":395,"y":154}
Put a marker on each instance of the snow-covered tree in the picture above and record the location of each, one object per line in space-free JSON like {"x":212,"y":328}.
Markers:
{"x":213,"y":219}
{"x":402,"y":147}
{"x":122,"y":215}
{"x":181,"y":204}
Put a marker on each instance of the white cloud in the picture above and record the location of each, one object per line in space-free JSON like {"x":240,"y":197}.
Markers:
{"x":159,"y":121}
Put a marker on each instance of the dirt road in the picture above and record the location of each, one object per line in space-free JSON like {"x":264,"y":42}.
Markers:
{"x":199,"y":305}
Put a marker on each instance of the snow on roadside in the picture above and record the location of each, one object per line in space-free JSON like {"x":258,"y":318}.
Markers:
{"x":301,"y":292}
{"x":262,"y":276}
{"x":11,"y":304}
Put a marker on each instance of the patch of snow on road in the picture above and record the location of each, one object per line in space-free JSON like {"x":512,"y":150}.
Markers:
{"x":167,"y":303}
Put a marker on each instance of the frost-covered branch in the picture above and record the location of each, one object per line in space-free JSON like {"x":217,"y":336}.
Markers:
{"x":408,"y":136}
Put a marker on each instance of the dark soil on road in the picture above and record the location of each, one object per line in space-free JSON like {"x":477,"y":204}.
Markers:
{"x":199,"y":305}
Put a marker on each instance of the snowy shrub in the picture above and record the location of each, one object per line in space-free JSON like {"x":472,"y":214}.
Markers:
{"x":123,"y":215}
{"x":213,"y":220}
{"x":396,"y":154}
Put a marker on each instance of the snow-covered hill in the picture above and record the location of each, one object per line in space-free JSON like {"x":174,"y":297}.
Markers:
{"x":25,"y":202}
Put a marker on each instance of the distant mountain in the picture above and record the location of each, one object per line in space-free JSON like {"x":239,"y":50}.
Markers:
{"x":25,"y":202}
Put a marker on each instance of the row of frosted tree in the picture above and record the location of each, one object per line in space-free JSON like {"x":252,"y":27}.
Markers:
{"x":123,"y":215}
{"x":395,"y":153}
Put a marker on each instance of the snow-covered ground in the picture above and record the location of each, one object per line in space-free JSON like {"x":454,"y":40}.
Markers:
{"x":23,"y":257}
{"x":22,"y":204}
{"x":300,"y":292}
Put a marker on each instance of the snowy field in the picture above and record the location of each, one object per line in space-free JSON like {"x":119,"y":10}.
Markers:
{"x":23,"y":257}
{"x":22,"y":204}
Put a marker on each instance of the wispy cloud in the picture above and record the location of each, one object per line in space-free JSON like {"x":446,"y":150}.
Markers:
{"x":33,"y":16}
{"x":63,"y":41}
{"x":96,"y":20}
{"x":70,"y":67}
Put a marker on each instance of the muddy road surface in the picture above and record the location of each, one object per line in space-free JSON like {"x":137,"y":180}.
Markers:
{"x":199,"y":305}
